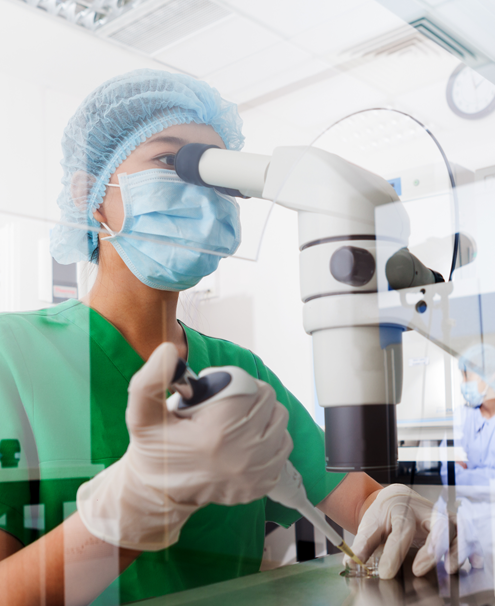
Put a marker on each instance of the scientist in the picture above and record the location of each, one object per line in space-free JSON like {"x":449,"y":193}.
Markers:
{"x":474,"y":434}
{"x":180,"y":503}
{"x":475,"y":422}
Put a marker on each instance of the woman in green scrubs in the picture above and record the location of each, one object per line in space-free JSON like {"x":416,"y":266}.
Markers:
{"x":64,"y":372}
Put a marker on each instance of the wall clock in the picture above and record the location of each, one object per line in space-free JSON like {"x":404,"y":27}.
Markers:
{"x":469,"y":95}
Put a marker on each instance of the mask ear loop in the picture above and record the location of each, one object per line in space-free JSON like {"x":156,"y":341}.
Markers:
{"x":112,"y":233}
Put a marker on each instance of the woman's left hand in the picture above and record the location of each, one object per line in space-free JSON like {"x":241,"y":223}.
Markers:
{"x":400,"y":519}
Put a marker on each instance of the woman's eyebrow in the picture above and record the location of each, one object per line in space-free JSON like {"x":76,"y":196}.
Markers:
{"x":169,"y":140}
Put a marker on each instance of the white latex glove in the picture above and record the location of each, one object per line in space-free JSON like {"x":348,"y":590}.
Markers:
{"x":468,"y":537}
{"x":400,"y":518}
{"x":229,"y":452}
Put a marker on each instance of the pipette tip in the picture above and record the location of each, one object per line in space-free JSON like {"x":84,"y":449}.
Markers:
{"x":348,"y":551}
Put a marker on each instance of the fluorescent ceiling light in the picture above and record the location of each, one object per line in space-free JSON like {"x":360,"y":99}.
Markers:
{"x":147,"y":25}
{"x":159,"y":27}
{"x":90,"y":14}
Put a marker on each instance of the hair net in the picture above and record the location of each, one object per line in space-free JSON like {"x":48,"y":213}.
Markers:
{"x":109,"y":124}
{"x":480,"y":359}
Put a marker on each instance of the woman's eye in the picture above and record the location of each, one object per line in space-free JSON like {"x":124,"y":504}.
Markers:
{"x":169,"y":160}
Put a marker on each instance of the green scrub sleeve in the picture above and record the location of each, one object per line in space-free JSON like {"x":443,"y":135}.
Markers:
{"x":308,"y":455}
{"x":18,"y":456}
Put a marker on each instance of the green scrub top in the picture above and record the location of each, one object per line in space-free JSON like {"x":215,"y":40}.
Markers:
{"x":64,"y":374}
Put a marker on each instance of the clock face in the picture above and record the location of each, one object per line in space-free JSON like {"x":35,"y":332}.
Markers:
{"x":469,"y":95}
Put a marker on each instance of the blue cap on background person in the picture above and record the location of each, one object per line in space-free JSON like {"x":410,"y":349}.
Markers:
{"x":480,"y":359}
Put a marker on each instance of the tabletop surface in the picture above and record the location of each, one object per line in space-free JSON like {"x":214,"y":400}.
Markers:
{"x":318,"y":583}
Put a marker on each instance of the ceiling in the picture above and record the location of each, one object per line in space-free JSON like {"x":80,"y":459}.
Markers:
{"x":295,"y":68}
{"x":248,"y":49}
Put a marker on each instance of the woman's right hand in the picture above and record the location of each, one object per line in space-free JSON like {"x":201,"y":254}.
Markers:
{"x":229,"y":452}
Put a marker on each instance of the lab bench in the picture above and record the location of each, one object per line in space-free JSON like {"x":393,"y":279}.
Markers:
{"x":318,"y":583}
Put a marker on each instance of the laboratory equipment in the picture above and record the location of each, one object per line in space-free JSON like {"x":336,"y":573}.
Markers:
{"x":355,"y":321}
{"x":336,"y":202}
{"x":212,"y":385}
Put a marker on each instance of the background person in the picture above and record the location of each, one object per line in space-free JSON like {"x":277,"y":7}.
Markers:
{"x":475,"y":421}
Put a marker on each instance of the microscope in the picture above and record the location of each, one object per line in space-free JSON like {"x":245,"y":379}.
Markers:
{"x":360,"y":285}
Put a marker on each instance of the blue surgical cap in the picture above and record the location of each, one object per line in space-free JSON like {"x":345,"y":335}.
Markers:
{"x":480,"y":359}
{"x":109,"y":124}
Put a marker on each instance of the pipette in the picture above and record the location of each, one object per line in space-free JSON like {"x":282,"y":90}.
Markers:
{"x":193,"y":391}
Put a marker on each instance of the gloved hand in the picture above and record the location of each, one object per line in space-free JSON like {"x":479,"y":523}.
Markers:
{"x":470,"y":536}
{"x":400,"y":518}
{"x":229,"y":452}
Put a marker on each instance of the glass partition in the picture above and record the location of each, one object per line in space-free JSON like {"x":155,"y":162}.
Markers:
{"x":359,"y":287}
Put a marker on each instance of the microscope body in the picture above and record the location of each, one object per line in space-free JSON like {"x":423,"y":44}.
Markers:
{"x":357,"y":345}
{"x":357,"y":359}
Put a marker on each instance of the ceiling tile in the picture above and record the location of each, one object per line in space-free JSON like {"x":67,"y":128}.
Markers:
{"x":282,"y":82}
{"x":218,"y":46}
{"x":348,"y":29}
{"x":318,"y":106}
{"x":290,"y":17}
{"x":264,"y":132}
{"x":474,"y":21}
{"x":434,"y":2}
{"x":265,"y":71}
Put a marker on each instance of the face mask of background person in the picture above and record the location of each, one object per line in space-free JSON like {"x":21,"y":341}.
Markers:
{"x":475,"y":390}
{"x":477,"y":366}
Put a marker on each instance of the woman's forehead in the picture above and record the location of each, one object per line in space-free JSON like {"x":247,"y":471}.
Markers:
{"x":181,"y":134}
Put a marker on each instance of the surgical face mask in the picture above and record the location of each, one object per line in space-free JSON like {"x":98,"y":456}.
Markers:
{"x":471,"y":394}
{"x":160,"y":212}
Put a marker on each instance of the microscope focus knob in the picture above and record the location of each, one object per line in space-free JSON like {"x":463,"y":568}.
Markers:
{"x":352,"y":265}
